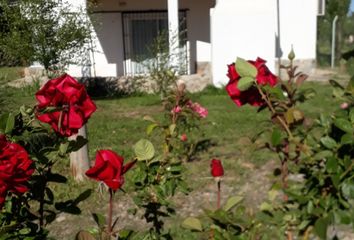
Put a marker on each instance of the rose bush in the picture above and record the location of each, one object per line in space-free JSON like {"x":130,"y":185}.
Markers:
{"x":251,"y":96}
{"x":109,"y":169}
{"x":27,"y":161}
{"x":198,"y":109}
{"x":15,"y":169}
{"x":64,"y":104}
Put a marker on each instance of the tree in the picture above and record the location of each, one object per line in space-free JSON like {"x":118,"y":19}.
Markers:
{"x":44,"y":31}
{"x":334,"y":8}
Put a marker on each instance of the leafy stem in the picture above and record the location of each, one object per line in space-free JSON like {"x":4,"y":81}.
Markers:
{"x":274,"y":113}
{"x":110,"y":210}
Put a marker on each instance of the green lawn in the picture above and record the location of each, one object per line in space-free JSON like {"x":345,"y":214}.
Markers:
{"x":118,"y":124}
{"x":8,"y":74}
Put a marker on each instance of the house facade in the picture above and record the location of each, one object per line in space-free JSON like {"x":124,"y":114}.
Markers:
{"x":206,"y":34}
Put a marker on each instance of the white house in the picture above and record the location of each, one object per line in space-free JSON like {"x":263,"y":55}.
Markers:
{"x":215,"y":32}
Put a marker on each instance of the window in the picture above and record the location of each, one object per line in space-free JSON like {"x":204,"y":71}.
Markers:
{"x":140,"y":29}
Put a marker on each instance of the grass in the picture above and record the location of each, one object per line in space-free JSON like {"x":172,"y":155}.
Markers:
{"x":118,"y":124}
{"x":8,"y":74}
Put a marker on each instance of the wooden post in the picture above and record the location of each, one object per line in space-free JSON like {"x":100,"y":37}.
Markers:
{"x":79,"y":160}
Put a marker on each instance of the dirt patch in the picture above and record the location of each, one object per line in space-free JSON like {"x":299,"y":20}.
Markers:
{"x":254,"y":190}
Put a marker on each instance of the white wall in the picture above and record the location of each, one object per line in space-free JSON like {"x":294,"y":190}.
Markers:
{"x":298,"y":27}
{"x":109,"y":54}
{"x":243,"y":29}
{"x":105,"y":60}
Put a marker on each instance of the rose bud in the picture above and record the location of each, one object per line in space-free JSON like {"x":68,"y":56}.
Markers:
{"x":216,"y":168}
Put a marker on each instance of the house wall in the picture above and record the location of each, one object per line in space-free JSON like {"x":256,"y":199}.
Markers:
{"x":109,"y":55}
{"x":243,"y":29}
{"x":298,"y":27}
{"x":254,"y":28}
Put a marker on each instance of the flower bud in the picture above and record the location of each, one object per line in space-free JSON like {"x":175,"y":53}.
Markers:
{"x":217,"y":169}
{"x":291,"y":55}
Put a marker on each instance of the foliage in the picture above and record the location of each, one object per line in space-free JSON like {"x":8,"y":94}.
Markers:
{"x":159,"y":176}
{"x":164,"y":67}
{"x":26,"y":216}
{"x":334,"y":8}
{"x":48,"y":32}
{"x":326,"y":196}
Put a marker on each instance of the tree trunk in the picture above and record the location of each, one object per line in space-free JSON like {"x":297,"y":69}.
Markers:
{"x":79,"y":160}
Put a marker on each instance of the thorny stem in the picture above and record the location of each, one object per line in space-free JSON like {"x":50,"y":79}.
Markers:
{"x":284,"y":162}
{"x":60,"y":120}
{"x":347,"y":171}
{"x":270,"y":106}
{"x":41,"y":205}
{"x":110,"y":210}
{"x":219,"y":194}
{"x":42,"y":196}
{"x":178,"y":98}
{"x":307,"y":233}
{"x":284,"y":177}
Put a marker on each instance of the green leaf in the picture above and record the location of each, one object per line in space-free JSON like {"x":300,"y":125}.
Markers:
{"x":172,"y":129}
{"x":350,"y":86}
{"x":348,"y":189}
{"x":323,"y":154}
{"x":328,"y":142}
{"x":63,"y":148}
{"x":83,"y":196}
{"x":351,"y":115}
{"x":76,"y":144}
{"x":338,"y":90}
{"x":10,"y":123}
{"x":309,"y":93}
{"x":343,"y":217}
{"x":99,"y":219}
{"x":346,"y":139}
{"x":245,"y":83}
{"x":68,"y":207}
{"x":332,"y":165}
{"x":335,"y":84}
{"x":310,"y":207}
{"x":276,"y":137}
{"x":50,"y":195}
{"x":245,"y":69}
{"x":144,"y":150}
{"x":25,"y":231}
{"x":304,"y":224}
{"x":344,"y":125}
{"x":274,"y":91}
{"x":293,"y":115}
{"x":231,"y":202}
{"x":125,"y":234}
{"x":3,"y":121}
{"x":151,"y":128}
{"x":193,"y":224}
{"x":149,"y":118}
{"x":57,"y":178}
{"x":321,"y":228}
{"x":266,"y":207}
{"x":272,"y":194}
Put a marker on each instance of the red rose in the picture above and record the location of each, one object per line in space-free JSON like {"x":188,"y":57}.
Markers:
{"x":250,"y":96}
{"x":73,"y":106}
{"x":15,"y":169}
{"x":109,"y":169}
{"x":216,"y":168}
